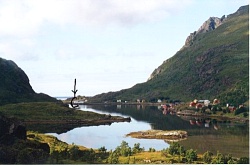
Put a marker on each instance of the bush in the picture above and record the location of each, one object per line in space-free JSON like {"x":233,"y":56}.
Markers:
{"x":191,"y":155}
{"x":243,"y":160}
{"x":222,"y":159}
{"x":207,"y":157}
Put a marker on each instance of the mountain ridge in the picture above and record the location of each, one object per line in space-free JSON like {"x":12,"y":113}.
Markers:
{"x":215,"y":65}
{"x":15,"y":86}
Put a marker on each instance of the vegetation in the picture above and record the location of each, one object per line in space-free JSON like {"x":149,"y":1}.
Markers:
{"x":50,"y":111}
{"x":61,"y":152}
{"x":31,"y":151}
{"x":213,"y":68}
{"x":56,"y":117}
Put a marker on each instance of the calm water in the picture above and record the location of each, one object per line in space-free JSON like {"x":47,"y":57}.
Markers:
{"x":109,"y":136}
{"x":203,"y":134}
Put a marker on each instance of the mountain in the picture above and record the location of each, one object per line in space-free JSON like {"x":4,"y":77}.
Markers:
{"x":15,"y":86}
{"x":213,"y":63}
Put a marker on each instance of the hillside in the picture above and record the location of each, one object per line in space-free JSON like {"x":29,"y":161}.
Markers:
{"x":213,"y":63}
{"x":15,"y":86}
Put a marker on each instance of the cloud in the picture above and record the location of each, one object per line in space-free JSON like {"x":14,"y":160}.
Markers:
{"x":18,"y":49}
{"x":25,"y":17}
{"x":23,"y":20}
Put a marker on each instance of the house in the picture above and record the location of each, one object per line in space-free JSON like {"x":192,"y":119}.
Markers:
{"x":199,"y":105}
{"x":192,"y":104}
{"x":231,"y":108}
{"x":119,"y":101}
{"x":204,"y":102}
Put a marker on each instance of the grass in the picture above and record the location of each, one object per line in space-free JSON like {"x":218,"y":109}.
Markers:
{"x":46,"y":117}
{"x":143,"y":157}
{"x":46,"y":111}
{"x":51,"y":140}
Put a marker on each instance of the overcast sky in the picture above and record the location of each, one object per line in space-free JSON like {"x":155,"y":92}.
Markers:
{"x":107,"y":45}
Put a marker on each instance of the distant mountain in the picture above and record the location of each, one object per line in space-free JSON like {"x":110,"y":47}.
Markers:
{"x":213,"y":63}
{"x":15,"y":86}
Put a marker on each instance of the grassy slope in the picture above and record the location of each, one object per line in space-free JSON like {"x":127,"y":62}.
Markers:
{"x":215,"y":64}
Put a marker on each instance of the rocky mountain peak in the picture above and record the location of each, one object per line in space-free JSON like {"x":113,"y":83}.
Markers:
{"x":209,"y":25}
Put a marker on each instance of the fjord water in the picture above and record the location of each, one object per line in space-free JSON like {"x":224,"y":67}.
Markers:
{"x":215,"y":135}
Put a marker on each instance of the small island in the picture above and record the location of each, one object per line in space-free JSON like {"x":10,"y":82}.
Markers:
{"x":173,"y":135}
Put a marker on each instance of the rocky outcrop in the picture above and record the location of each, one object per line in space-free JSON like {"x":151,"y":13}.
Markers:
{"x":11,"y":129}
{"x":209,"y":25}
{"x":16,"y":148}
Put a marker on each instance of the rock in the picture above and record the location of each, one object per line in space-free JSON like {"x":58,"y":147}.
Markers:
{"x":209,"y":25}
{"x":10,"y":129}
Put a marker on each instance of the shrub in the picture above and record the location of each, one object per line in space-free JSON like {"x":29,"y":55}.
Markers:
{"x":207,"y":157}
{"x":191,"y":155}
{"x":243,"y":160}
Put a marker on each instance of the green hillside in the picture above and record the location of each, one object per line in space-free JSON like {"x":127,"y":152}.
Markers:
{"x":213,"y":63}
{"x":15,"y":86}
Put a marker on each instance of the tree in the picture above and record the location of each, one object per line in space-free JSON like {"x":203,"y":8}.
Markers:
{"x":113,"y":158}
{"x":102,"y":150}
{"x":151,"y":149}
{"x":123,"y":149}
{"x":73,"y":152}
{"x":176,"y":149}
{"x":136,"y":148}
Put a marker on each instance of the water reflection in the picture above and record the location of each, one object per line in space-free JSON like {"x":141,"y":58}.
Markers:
{"x":110,"y":136}
{"x":203,"y":133}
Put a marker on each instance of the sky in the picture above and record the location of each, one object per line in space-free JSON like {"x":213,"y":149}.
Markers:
{"x":106,"y":45}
